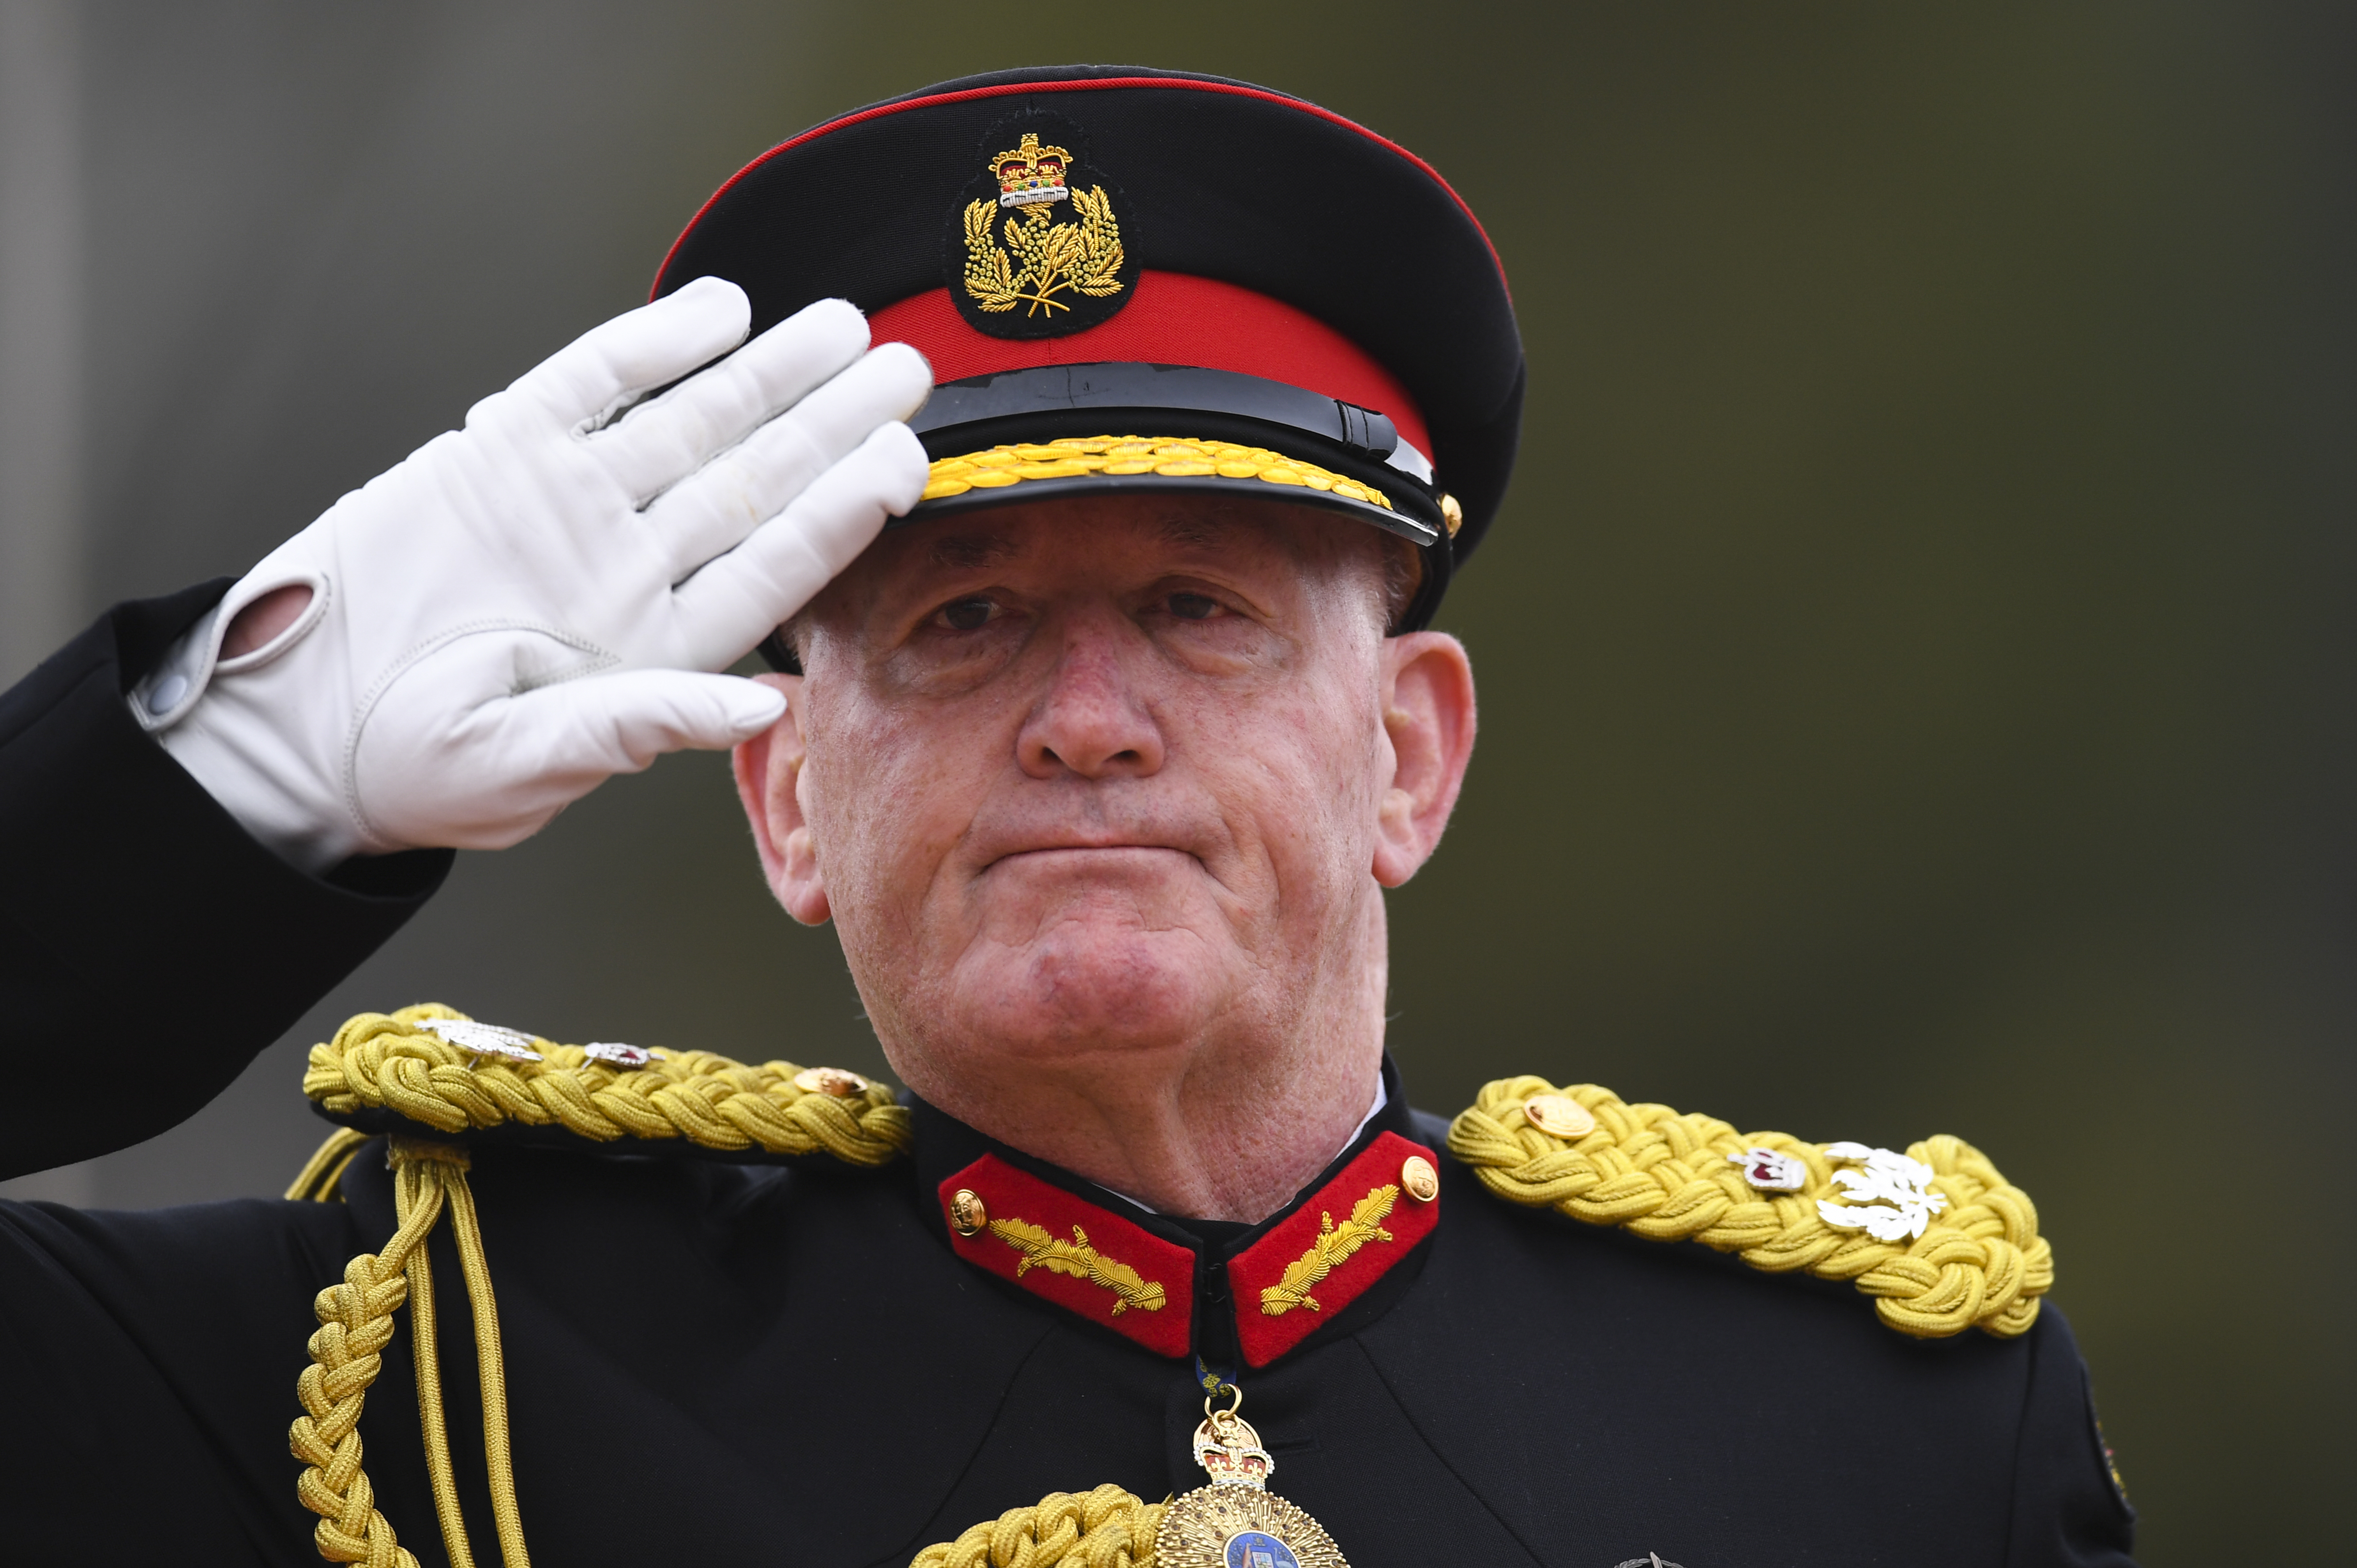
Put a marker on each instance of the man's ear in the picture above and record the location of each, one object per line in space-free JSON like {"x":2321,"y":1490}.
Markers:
{"x":1428,"y":716}
{"x":769,"y":769}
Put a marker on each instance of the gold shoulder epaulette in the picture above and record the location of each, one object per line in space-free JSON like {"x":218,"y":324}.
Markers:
{"x":1936,"y":1235}
{"x":445,"y":1073}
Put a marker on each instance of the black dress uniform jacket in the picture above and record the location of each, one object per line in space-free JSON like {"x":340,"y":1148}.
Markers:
{"x":712,"y":1363}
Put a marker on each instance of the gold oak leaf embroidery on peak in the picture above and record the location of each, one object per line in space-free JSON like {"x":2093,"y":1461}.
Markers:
{"x":1080,"y":1261}
{"x":1335,"y":1244}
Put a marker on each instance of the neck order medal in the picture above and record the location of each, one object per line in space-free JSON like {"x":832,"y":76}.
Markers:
{"x":1236,"y":1521}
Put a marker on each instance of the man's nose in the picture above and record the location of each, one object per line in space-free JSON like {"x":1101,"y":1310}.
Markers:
{"x":1091,"y":720}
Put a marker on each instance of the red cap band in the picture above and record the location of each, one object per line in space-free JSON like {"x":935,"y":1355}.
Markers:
{"x":1172,"y":318}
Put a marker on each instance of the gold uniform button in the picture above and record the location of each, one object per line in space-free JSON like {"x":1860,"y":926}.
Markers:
{"x":967,"y":1216}
{"x":1416,"y":1175}
{"x":831,"y":1080}
{"x":1559,"y":1115}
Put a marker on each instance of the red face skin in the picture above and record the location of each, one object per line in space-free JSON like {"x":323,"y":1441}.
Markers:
{"x":1101,"y":796}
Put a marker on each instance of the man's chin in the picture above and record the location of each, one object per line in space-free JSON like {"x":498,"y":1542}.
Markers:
{"x":1091,"y":981}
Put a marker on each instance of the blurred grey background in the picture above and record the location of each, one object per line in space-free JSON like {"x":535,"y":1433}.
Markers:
{"x":1917,"y":656}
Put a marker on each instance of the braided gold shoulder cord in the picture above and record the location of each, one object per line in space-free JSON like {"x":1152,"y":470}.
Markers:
{"x":389,"y":1061}
{"x":1668,"y":1177}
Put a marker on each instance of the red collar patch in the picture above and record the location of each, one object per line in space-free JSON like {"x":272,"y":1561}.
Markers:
{"x":1341,"y":1240}
{"x":1088,"y":1260}
{"x":1085,"y":1259}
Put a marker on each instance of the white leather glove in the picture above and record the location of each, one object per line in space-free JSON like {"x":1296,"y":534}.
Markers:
{"x":524,"y":607}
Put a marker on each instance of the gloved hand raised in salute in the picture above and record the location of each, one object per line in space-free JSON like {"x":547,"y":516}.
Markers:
{"x":529,"y":605}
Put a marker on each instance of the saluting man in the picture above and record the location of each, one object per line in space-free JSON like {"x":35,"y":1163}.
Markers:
{"x":1091,"y":503}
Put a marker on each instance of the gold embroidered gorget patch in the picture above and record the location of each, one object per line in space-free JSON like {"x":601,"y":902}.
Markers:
{"x":1334,"y":1245}
{"x":1080,"y":1261}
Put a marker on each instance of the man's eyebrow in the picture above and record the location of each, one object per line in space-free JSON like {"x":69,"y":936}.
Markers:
{"x":1193,"y":530}
{"x":965,"y":551}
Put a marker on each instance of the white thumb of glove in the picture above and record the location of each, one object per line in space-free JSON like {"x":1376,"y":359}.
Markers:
{"x":413,"y":778}
{"x":574,"y":735}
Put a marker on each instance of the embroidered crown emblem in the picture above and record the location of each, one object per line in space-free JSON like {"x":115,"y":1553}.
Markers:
{"x":1031,"y":174}
{"x":1039,"y":248}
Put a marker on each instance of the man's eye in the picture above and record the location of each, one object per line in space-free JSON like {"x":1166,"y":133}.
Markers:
{"x":1193,"y":607}
{"x":967,"y":615}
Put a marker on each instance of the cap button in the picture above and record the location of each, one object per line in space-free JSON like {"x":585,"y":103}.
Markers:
{"x":1559,"y":1116}
{"x":1421,"y":1182}
{"x":1452,"y":513}
{"x":967,"y":1216}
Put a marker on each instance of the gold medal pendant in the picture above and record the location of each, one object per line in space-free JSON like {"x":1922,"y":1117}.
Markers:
{"x":1236,"y":1521}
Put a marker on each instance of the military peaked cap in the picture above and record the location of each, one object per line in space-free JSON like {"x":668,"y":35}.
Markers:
{"x":1127,"y":277}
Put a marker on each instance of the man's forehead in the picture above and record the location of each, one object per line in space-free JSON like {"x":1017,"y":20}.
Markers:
{"x":993,"y":539}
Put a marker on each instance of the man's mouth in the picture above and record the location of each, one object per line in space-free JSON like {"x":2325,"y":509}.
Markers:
{"x":1043,"y":854}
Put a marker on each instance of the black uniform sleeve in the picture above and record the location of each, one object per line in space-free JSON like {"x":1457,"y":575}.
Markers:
{"x":149,"y":946}
{"x":148,"y":1370}
{"x":2068,"y":1508}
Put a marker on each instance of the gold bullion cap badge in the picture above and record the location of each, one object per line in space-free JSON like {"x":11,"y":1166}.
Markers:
{"x":1035,"y":246}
